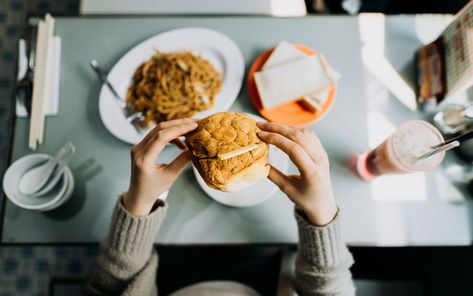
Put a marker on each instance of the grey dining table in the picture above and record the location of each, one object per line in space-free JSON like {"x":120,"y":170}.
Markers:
{"x":425,"y":209}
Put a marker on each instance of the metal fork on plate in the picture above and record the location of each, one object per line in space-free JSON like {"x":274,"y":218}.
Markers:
{"x":135,"y":118}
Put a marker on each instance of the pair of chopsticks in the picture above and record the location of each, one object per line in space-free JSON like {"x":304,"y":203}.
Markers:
{"x":41,"y":91}
{"x":447,"y":145}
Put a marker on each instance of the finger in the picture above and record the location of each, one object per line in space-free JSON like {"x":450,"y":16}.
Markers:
{"x":321,"y":152}
{"x":179,"y":144}
{"x":163,"y":125}
{"x":278,"y":178}
{"x":162,"y":137}
{"x":178,"y":164}
{"x":295,"y":152}
{"x":167,"y":124}
{"x":301,"y":137}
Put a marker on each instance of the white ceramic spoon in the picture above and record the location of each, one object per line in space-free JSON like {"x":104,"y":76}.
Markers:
{"x":42,"y":178}
{"x":469,"y":112}
{"x":56,"y":175}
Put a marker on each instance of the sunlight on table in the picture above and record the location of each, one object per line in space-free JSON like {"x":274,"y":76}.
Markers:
{"x":429,"y":27}
{"x":372,"y":34}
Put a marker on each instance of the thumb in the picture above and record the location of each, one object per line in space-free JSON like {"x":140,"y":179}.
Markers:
{"x":278,"y":178}
{"x":175,"y":168}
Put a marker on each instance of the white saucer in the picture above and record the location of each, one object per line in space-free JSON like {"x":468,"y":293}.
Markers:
{"x":51,"y":200}
{"x":254,"y":194}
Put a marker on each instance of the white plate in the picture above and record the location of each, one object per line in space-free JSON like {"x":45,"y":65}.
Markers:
{"x":48,"y":201}
{"x":254,"y":194}
{"x":214,"y":46}
{"x":216,"y":288}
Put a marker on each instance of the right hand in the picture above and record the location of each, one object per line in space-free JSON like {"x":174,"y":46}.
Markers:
{"x":311,"y":191}
{"x":148,"y":179}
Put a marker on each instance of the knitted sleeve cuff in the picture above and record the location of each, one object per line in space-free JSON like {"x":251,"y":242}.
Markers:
{"x":130,"y":235}
{"x":321,"y":245}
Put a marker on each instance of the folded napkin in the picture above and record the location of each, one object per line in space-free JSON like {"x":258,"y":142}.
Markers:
{"x":289,"y":74}
{"x":52,"y":106}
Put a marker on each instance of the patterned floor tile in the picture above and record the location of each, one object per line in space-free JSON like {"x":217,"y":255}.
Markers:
{"x":27,"y":270}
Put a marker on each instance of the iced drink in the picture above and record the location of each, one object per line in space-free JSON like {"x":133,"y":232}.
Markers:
{"x":398,"y":154}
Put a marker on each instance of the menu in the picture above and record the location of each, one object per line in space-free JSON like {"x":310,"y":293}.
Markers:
{"x":445,"y":66}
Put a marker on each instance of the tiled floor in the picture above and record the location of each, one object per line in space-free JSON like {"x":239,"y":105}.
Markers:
{"x":28,"y":270}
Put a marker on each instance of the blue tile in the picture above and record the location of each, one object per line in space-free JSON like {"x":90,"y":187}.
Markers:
{"x":15,"y":5}
{"x":4,"y":82}
{"x":91,"y":252}
{"x":59,"y":252}
{"x":23,"y":283}
{"x":42,"y":265}
{"x":27,"y":252}
{"x":75,"y":266}
{"x":43,"y":6}
{"x":8,"y":56}
{"x":72,"y":7}
{"x":9,"y":265}
{"x":11,"y":31}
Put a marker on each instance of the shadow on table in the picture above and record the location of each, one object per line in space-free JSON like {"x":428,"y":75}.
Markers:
{"x":82,"y":173}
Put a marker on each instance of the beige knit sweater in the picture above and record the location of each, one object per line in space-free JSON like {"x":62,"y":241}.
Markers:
{"x":128,"y":262}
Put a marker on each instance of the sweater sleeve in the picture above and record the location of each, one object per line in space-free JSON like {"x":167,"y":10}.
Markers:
{"x":323,"y":260}
{"x":127,"y":263}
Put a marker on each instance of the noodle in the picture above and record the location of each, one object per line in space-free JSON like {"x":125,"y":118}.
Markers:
{"x":173,"y":85}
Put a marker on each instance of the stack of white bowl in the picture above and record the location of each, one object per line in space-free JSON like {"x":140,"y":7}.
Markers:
{"x":52,"y":199}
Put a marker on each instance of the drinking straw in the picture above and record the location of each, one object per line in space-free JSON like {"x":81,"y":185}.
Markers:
{"x":443,"y":147}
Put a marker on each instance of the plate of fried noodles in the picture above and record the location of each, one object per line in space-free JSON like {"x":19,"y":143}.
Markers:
{"x":187,"y":72}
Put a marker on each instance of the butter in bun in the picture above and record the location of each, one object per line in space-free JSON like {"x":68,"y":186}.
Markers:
{"x":227,"y":152}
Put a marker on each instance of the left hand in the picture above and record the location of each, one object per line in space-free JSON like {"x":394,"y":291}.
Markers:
{"x":311,"y":191}
{"x":148,"y":179}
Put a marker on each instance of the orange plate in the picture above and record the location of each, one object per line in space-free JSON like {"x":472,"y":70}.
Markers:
{"x":291,"y":113}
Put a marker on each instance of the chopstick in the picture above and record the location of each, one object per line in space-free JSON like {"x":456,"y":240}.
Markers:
{"x":466,"y":136}
{"x":37,"y":87}
{"x":47,"y":77}
{"x":41,"y":82}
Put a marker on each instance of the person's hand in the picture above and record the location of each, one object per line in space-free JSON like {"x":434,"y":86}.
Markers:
{"x":311,"y":191}
{"x":148,"y":179}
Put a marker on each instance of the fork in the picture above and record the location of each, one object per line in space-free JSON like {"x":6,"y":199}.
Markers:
{"x":24,"y":88}
{"x":135,"y":118}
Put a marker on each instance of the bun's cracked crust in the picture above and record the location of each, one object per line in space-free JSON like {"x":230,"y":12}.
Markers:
{"x":222,"y":133}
